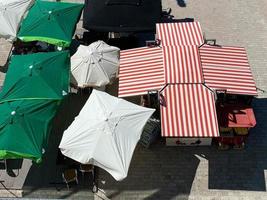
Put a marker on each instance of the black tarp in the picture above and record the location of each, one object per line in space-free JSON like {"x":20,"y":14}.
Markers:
{"x":121,"y":15}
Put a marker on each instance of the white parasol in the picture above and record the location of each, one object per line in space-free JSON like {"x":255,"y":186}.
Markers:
{"x":94,"y":65}
{"x":11,"y":14}
{"x":105,"y":133}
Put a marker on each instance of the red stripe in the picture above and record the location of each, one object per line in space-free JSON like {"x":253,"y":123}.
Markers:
{"x":224,"y":57}
{"x":172,"y":111}
{"x":167,"y":116}
{"x":182,"y":64}
{"x":188,"y":33}
{"x":196,"y":114}
{"x":141,"y":69}
{"x":199,"y":33}
{"x":189,"y":112}
{"x":227,"y":67}
{"x":192,"y":111}
{"x":193,"y":38}
{"x":183,"y":112}
{"x":205,"y":98}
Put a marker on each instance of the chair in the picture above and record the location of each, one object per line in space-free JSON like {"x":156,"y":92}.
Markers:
{"x":87,"y":168}
{"x":4,"y":162}
{"x":70,"y":175}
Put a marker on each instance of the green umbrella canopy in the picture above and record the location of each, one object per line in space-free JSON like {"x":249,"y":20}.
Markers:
{"x":25,"y":127}
{"x":51,"y":22}
{"x":37,"y":76}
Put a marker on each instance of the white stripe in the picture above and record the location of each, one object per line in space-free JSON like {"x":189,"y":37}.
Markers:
{"x":188,"y":104}
{"x":232,"y":87}
{"x":146,"y":69}
{"x":199,"y":111}
{"x":179,"y":33}
{"x":194,"y":120}
{"x":206,"y":59}
{"x":207,"y":107}
{"x":175,"y":64}
{"x":195,"y":123}
{"x":182,"y":105}
{"x":137,"y":63}
{"x":170,"y":102}
{"x":231,"y":71}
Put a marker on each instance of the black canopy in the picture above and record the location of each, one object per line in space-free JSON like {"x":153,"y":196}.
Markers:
{"x":121,"y":15}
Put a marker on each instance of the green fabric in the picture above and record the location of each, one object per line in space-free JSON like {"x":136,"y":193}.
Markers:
{"x":37,"y":76}
{"x":51,"y":22}
{"x":25,"y":127}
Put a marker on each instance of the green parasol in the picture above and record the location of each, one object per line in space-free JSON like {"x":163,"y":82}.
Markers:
{"x":25,"y":127}
{"x":37,"y":76}
{"x":51,"y":22}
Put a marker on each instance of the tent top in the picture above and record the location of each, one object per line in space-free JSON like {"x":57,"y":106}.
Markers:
{"x":104,"y":142}
{"x":227,"y":68}
{"x":185,"y":33}
{"x":37,"y":76}
{"x":121,"y":16}
{"x":51,"y":22}
{"x":188,"y":110}
{"x":25,"y":127}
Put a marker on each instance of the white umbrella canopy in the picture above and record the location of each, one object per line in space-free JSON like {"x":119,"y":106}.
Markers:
{"x":94,"y":65}
{"x":11,"y":14}
{"x":105,"y":133}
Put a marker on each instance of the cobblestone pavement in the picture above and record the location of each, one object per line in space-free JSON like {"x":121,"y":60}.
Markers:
{"x":204,"y":172}
{"x":197,"y":173}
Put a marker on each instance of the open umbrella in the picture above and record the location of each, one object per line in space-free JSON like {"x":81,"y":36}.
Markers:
{"x":37,"y":76}
{"x":105,"y":133}
{"x":11,"y":14}
{"x":94,"y":65}
{"x":24,"y":128}
{"x":51,"y":22}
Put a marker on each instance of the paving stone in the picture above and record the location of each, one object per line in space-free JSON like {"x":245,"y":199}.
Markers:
{"x":198,"y":173}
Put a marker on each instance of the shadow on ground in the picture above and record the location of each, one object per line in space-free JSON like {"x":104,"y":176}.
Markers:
{"x":243,"y":170}
{"x":162,"y":171}
{"x":168,"y":172}
{"x":45,"y":179}
{"x":159,"y":172}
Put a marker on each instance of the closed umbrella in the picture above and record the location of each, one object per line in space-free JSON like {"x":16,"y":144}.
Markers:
{"x":121,"y":15}
{"x":25,"y":127}
{"x":51,"y":22}
{"x":94,"y":65}
{"x":105,"y":133}
{"x":11,"y":14}
{"x":37,"y":76}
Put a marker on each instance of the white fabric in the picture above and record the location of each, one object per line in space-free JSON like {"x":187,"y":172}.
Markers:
{"x":11,"y":14}
{"x":94,"y":65}
{"x":105,"y":133}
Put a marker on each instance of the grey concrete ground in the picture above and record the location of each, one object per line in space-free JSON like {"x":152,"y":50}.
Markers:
{"x":194,"y":172}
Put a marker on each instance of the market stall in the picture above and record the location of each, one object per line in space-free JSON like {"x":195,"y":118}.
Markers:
{"x":226,"y":70}
{"x":178,"y":62}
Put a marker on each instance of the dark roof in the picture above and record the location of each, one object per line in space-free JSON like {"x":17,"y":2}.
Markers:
{"x":121,"y":15}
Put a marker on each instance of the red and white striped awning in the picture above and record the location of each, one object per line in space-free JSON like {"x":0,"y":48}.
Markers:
{"x":182,"y":64}
{"x":141,"y":70}
{"x":186,"y":33}
{"x":227,"y":68}
{"x":188,"y":110}
{"x":151,"y":68}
